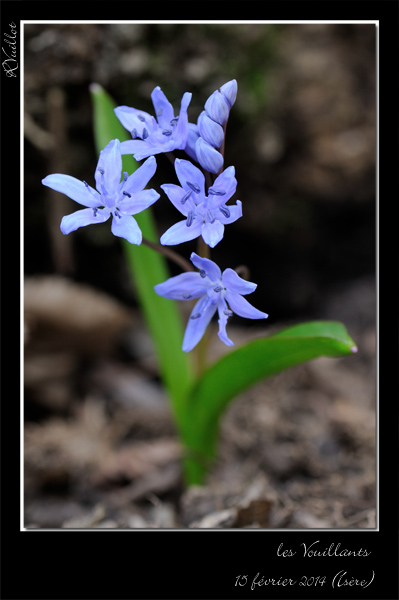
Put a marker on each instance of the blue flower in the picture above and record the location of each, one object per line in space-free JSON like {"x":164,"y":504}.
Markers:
{"x":152,"y":136}
{"x":121,"y":199}
{"x":215,"y":291}
{"x":204,"y":215}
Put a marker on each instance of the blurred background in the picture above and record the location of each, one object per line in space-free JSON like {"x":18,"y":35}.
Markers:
{"x":100,"y":445}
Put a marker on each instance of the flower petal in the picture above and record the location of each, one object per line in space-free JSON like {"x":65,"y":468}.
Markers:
{"x":208,"y":157}
{"x":179,"y":233}
{"x":139,"y":148}
{"x":235,"y":283}
{"x":126,"y":227}
{"x":74,"y":189}
{"x":196,"y":326}
{"x":187,"y":172}
{"x":225,"y":182}
{"x":242,"y":307}
{"x":212,"y":233}
{"x":81,"y":218}
{"x":133,"y":119}
{"x":235,"y":211}
{"x":175,"y":193}
{"x":141,"y":176}
{"x":223,"y":317}
{"x":205,"y":264}
{"x":210,"y":131}
{"x":138,"y":202}
{"x":182,"y":287}
{"x":181,"y":131}
{"x":193,"y":135}
{"x":163,"y":108}
{"x":109,"y":168}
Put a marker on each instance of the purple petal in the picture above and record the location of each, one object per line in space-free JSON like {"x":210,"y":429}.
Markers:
{"x":141,"y":176}
{"x":175,"y":194}
{"x":205,"y":264}
{"x":193,"y":135}
{"x":138,"y":202}
{"x":236,"y":284}
{"x":139,"y":148}
{"x":126,"y":227}
{"x":187,"y":172}
{"x":133,"y":119}
{"x":210,"y":159}
{"x":212,"y":233}
{"x":181,"y":131}
{"x":235,"y":211}
{"x":74,"y":189}
{"x":229,"y":91}
{"x":223,"y":317}
{"x":109,"y":167}
{"x":242,"y":307}
{"x":217,"y":107}
{"x":163,"y":108}
{"x":81,"y":218}
{"x":210,"y":131}
{"x":196,"y":326}
{"x":225,"y":182}
{"x":182,"y":287}
{"x":179,"y":233}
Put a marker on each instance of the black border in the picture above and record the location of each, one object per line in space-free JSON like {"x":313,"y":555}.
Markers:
{"x":199,"y":563}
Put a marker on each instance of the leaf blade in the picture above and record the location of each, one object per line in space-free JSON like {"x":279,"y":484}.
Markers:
{"x":249,"y":364}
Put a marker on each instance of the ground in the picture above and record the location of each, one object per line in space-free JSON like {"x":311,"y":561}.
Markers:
{"x":295,"y":451}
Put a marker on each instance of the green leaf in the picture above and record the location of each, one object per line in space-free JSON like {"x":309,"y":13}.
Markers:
{"x":247,"y":365}
{"x":148,"y":268}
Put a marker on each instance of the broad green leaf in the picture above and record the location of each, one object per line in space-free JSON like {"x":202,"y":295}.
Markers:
{"x":247,"y":365}
{"x":148,"y":268}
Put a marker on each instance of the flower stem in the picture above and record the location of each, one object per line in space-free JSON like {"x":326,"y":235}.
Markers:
{"x":182,"y":262}
{"x":203,"y":250}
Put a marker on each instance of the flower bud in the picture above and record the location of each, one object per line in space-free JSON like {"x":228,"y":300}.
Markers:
{"x":229,"y":91}
{"x":217,"y":107}
{"x":210,"y":131}
{"x":210,"y":159}
{"x":193,"y":135}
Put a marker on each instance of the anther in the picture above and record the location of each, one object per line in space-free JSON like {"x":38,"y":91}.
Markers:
{"x":127,"y":194}
{"x":101,"y":171}
{"x":145,"y":134}
{"x":190,"y":218}
{"x":193,"y":186}
{"x":186,"y":197}
{"x":210,"y":216}
{"x":195,"y":316}
{"x":174,"y":121}
{"x":186,"y":296}
{"x":202,"y":273}
{"x":125,"y":175}
{"x":86,"y":184}
{"x":228,"y":313}
{"x":214,"y":192}
{"x":116,"y":213}
{"x":166,"y":132}
{"x":95,"y":212}
{"x":134,"y":133}
{"x":218,"y":288}
{"x":142,"y":119}
{"x":225,"y":211}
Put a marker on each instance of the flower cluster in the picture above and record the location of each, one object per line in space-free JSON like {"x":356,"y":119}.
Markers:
{"x":204,"y":207}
